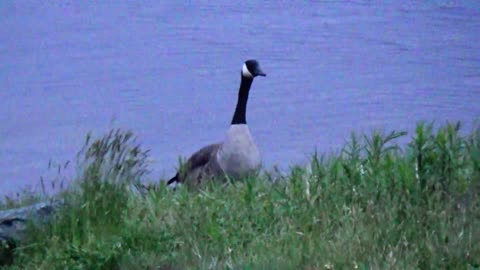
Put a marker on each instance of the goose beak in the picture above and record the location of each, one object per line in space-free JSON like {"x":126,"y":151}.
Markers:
{"x":259,"y":72}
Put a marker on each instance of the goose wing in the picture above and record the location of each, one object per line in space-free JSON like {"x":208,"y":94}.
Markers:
{"x":197,"y":160}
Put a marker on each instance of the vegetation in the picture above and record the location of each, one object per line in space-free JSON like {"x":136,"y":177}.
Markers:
{"x":372,"y":206}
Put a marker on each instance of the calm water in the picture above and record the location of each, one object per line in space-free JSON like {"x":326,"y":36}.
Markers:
{"x":170,"y":71}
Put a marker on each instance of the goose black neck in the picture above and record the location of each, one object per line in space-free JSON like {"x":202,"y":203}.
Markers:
{"x":239,"y":117}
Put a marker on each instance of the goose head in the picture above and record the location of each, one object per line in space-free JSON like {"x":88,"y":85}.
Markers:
{"x":251,"y":69}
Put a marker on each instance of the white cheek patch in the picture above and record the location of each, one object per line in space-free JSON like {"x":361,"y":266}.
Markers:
{"x":245,"y":71}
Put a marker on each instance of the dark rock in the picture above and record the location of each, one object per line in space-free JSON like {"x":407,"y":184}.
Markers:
{"x":13,"y":224}
{"x":7,"y":246}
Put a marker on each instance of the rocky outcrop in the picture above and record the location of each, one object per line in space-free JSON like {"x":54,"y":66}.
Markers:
{"x":13,"y":223}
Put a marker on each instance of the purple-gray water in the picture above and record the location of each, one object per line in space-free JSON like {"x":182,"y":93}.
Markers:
{"x":169,"y":71}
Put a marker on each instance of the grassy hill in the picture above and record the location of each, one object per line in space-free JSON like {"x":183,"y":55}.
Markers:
{"x":374,"y":205}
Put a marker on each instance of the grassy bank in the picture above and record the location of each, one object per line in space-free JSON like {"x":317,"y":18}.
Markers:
{"x":372,"y":206}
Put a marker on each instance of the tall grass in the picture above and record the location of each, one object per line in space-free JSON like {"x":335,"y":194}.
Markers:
{"x":375,"y":205}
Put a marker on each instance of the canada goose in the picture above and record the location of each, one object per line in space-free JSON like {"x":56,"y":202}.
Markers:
{"x":237,"y":156}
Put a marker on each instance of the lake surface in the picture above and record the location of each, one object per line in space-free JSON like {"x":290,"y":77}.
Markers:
{"x":170,"y":70}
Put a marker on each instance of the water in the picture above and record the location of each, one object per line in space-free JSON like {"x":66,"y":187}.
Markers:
{"x":170,"y":71}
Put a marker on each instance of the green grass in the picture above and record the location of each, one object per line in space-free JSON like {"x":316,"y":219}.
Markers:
{"x":372,"y":206}
{"x":22,"y":198}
